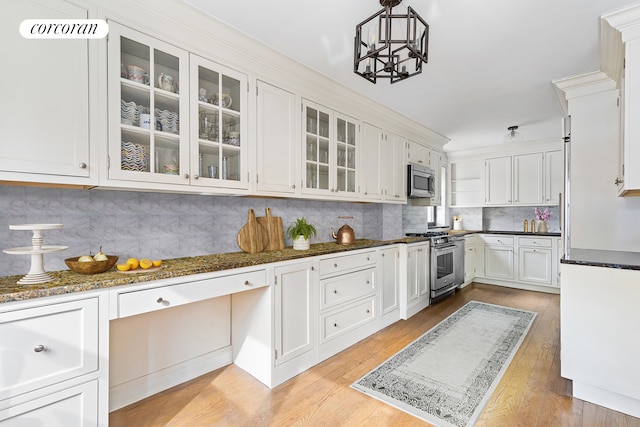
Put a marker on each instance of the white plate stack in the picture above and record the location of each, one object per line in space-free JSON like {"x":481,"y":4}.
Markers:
{"x":167,"y":121}
{"x":130,"y":113}
{"x":134,"y":157}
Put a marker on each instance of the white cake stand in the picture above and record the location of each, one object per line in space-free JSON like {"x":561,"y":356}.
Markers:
{"x":36,"y":274}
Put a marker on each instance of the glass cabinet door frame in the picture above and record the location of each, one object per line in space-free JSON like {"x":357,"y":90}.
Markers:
{"x":160,"y":156}
{"x":225,"y":102}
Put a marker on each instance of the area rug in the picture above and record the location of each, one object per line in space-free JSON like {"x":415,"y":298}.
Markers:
{"x":446,"y":376}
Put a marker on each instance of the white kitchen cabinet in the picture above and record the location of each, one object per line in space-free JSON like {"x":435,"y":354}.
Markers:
{"x":466,"y":179}
{"x":498,"y":257}
{"x":418,"y":154}
{"x":372,"y":138}
{"x":553,"y":176}
{"x":528,"y":186}
{"x":294,"y":310}
{"x":416,"y":288}
{"x":219,"y":132}
{"x":331,"y":145}
{"x":277,"y":145}
{"x":535,"y":260}
{"x":470,"y":258}
{"x":435,"y":161}
{"x":393,"y":168}
{"x":498,"y":181}
{"x":389,"y":270}
{"x":45,"y":113}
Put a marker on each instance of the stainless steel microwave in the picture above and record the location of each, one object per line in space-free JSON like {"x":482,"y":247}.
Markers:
{"x":421,"y":181}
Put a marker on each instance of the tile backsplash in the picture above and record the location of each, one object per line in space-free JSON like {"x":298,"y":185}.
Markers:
{"x":508,"y":218}
{"x":161,"y":225}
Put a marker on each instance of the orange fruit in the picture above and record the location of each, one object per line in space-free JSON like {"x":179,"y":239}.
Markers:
{"x":145,"y":263}
{"x":123,"y":267}
{"x":157,"y":262}
{"x":133,"y":262}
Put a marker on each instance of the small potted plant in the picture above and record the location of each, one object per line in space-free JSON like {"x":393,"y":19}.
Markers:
{"x":301,"y":231}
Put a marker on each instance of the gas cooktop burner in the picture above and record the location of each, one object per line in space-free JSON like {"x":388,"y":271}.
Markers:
{"x":428,"y":234}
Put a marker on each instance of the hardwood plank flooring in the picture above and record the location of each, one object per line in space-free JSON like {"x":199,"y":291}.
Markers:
{"x":531,"y":392}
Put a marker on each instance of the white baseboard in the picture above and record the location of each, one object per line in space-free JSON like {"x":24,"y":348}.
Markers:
{"x":132,"y":391}
{"x":608,"y":399}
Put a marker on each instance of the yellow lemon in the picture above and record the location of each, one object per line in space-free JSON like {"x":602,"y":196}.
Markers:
{"x":123,"y":267}
{"x":157,"y":262}
{"x":145,"y":263}
{"x":133,"y":262}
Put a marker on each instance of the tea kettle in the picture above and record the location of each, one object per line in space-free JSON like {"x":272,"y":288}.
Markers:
{"x":346,"y":235}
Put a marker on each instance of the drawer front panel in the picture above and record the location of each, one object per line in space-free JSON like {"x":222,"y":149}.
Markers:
{"x":347,"y":287}
{"x":340,"y":322}
{"x":346,"y":263}
{"x":144,"y":301}
{"x":46,"y":345}
{"x":539,"y":242}
{"x":498,"y":240}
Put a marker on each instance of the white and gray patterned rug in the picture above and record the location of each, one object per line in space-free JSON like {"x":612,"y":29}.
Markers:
{"x":447,"y":375}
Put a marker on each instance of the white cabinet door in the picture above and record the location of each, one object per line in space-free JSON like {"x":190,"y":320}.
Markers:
{"x":527,"y":179}
{"x":389,"y":265}
{"x":423,"y":272}
{"x":553,"y":176}
{"x":347,"y":152}
{"x":535,"y":265}
{"x":435,"y":160}
{"x":393,"y":168}
{"x":371,"y":187}
{"x":294,"y":309}
{"x":469,"y":262}
{"x":498,"y":262}
{"x":413,"y":287}
{"x":418,"y":154}
{"x":318,"y":149}
{"x":277,"y":143}
{"x":498,"y":181}
{"x":44,"y":116}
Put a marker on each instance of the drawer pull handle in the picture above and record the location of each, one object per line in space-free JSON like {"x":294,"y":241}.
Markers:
{"x":367,"y":282}
{"x":313,"y":268}
{"x":335,"y":291}
{"x":246,"y":283}
{"x":335,"y":325}
{"x":368,"y":259}
{"x":160,"y":300}
{"x":335,"y":265}
{"x":368,"y":311}
{"x":39,"y":348}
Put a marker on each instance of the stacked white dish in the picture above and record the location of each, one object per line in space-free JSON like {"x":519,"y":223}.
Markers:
{"x":134,"y":157}
{"x":167,"y":121}
{"x":130,"y":113}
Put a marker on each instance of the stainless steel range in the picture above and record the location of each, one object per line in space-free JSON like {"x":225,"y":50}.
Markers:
{"x":447,"y":262}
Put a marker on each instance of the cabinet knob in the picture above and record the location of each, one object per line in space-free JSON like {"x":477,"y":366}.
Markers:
{"x":335,"y":291}
{"x":246,"y":283}
{"x":335,"y":265}
{"x":160,"y":300}
{"x":186,"y":176}
{"x":335,"y":325}
{"x":367,"y":282}
{"x":293,"y":186}
{"x":368,"y":311}
{"x":313,"y":268}
{"x":618,"y":181}
{"x":196,"y":176}
{"x":39,"y":348}
{"x":82,"y":165}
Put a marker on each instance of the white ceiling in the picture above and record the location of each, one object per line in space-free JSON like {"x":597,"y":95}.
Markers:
{"x":490,"y":62}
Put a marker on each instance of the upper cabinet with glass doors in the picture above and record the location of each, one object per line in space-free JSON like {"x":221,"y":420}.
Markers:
{"x":175,"y":118}
{"x":218,"y":98}
{"x":148,"y":108}
{"x":330,"y":152}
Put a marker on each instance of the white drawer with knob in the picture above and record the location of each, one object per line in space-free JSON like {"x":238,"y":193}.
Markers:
{"x":344,"y":263}
{"x":135,"y":302}
{"x":47,"y":345}
{"x":347,"y":287}
{"x":498,"y":240}
{"x":537,"y":242}
{"x":351,"y":317}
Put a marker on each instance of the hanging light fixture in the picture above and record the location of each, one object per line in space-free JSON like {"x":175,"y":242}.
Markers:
{"x":513,"y":136}
{"x":391,"y":46}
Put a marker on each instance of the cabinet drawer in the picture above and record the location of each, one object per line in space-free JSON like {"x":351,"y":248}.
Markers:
{"x":536,"y":242}
{"x":342,"y":321}
{"x":46,"y":345}
{"x":144,"y":301}
{"x":346,"y":262}
{"x":347,"y":287}
{"x":498,"y":240}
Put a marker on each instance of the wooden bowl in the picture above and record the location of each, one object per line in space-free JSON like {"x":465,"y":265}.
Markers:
{"x":91,"y":267}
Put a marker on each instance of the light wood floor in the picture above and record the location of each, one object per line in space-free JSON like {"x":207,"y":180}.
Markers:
{"x":531,"y":393}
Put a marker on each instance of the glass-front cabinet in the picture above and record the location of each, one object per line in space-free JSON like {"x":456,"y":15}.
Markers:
{"x":330,"y":151}
{"x":218,"y":100}
{"x":148,"y":108}
{"x":174,"y":117}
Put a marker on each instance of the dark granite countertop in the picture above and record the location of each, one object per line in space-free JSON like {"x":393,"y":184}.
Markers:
{"x":600,"y":258}
{"x":514,"y":233}
{"x":67,"y":281}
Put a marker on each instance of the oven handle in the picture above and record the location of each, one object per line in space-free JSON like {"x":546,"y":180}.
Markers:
{"x":437,"y":248}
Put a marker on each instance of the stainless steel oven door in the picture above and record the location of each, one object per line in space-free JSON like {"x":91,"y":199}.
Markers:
{"x":443,"y":269}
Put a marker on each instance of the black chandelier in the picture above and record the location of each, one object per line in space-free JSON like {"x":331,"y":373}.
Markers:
{"x":391,"y":46}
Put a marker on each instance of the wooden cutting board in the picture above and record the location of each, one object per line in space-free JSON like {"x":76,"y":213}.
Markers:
{"x":252,"y":237}
{"x":273,"y":225}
